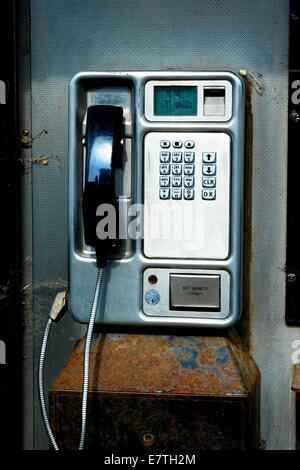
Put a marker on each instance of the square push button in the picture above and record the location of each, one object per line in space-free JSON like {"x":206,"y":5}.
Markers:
{"x":194,"y":292}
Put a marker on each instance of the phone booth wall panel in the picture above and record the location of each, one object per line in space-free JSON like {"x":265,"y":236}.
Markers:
{"x":59,"y":39}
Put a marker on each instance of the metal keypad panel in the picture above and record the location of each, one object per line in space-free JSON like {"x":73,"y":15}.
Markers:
{"x":188,"y":174}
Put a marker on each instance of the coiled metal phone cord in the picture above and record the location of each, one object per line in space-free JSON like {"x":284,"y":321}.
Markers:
{"x":86,"y":366}
{"x":87,"y":353}
{"x":41,"y":383}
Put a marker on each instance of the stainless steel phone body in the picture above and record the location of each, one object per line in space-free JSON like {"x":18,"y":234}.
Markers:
{"x":185,"y":173}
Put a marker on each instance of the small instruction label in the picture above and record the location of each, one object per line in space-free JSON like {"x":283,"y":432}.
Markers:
{"x":195,"y":290}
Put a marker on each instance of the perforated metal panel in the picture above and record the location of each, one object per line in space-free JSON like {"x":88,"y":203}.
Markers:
{"x":68,"y":36}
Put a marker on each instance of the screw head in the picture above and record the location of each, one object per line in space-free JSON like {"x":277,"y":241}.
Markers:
{"x":26,"y":132}
{"x":291,"y":277}
{"x":294,"y":116}
{"x":148,"y":439}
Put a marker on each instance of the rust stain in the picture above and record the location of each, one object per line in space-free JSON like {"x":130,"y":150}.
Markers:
{"x":244,"y":325}
{"x":162,"y":364}
{"x":44,"y":159}
{"x":296,"y":378}
{"x":256,"y":79}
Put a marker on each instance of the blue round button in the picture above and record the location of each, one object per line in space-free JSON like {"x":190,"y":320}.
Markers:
{"x":152,"y":297}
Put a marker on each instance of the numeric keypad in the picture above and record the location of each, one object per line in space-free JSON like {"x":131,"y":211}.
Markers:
{"x":177,"y":169}
{"x":178,"y":179}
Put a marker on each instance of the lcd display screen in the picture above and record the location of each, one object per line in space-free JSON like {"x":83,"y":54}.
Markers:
{"x":175,"y":100}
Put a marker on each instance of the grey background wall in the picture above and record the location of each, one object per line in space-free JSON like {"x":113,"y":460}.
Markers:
{"x":62,"y":37}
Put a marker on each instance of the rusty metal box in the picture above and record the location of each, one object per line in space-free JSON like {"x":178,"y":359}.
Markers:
{"x":160,"y":393}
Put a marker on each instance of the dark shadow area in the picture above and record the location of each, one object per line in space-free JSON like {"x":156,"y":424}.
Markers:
{"x":10,"y":317}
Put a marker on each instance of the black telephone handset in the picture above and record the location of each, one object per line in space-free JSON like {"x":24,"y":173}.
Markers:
{"x":103,"y":154}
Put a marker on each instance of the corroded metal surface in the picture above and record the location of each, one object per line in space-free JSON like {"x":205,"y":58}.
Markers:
{"x":130,"y":423}
{"x":135,"y":363}
{"x":296,"y":378}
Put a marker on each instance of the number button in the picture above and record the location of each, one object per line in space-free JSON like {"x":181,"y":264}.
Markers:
{"x":189,"y":181}
{"x":189,"y":157}
{"x":165,"y":181}
{"x":177,"y":169}
{"x":209,"y":182}
{"x":209,"y":194}
{"x":176,"y":181}
{"x":189,"y":144}
{"x":188,"y":169}
{"x":177,"y":144}
{"x":188,"y":194}
{"x":164,"y":169}
{"x":164,"y":193}
{"x":209,"y":157}
{"x":165,"y":144}
{"x":177,"y":157}
{"x":209,"y":170}
{"x":176,"y":194}
{"x":165,"y":157}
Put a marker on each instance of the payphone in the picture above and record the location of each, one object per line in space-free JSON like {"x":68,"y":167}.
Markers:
{"x":159,"y":156}
{"x":156,"y":166}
